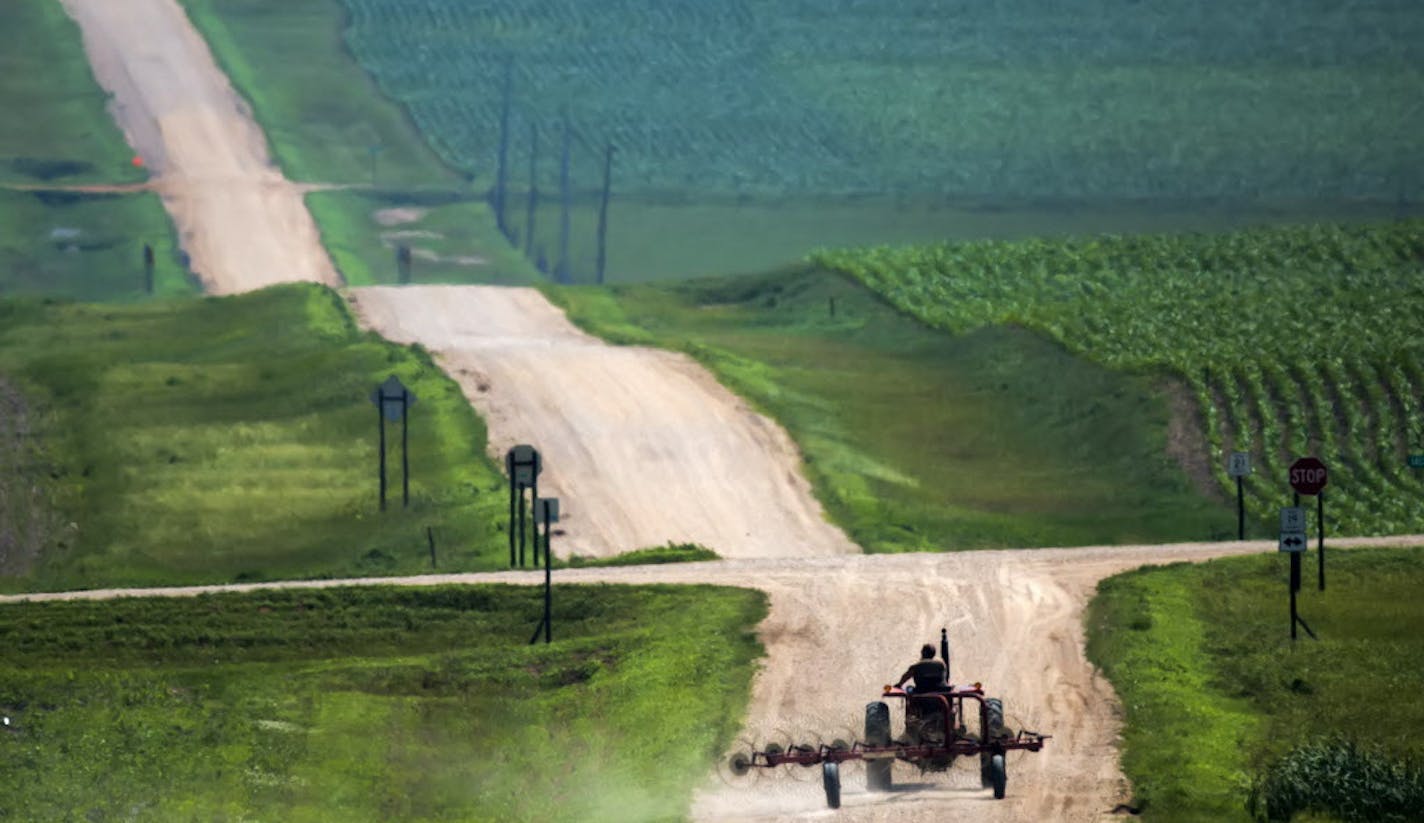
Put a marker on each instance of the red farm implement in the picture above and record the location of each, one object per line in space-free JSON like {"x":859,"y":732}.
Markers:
{"x":940,"y":726}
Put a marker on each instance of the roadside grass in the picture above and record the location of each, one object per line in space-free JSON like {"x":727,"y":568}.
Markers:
{"x":671,"y":553}
{"x":1214,"y":692}
{"x":324,"y":118}
{"x":918,"y":440}
{"x":373,"y":704}
{"x":230,"y":439}
{"x":57,"y":132}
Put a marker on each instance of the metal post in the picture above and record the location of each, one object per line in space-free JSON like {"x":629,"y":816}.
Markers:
{"x":548,"y":583}
{"x":381,"y":424}
{"x":1240,"y":511}
{"x":501,"y":164}
{"x":509,"y":469}
{"x":533,"y":189}
{"x":1294,"y":584}
{"x":534,"y":504}
{"x":1320,"y":525}
{"x":603,"y":211}
{"x":430,"y":538}
{"x":564,"y":269}
{"x":405,"y":450}
{"x":521,"y":525}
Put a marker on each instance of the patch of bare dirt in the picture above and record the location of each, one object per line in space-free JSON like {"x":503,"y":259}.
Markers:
{"x":1186,"y":437}
{"x":399,"y":216}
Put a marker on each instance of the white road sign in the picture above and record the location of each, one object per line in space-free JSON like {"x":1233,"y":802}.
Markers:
{"x":1239,"y":464}
{"x":1293,"y":542}
{"x":546,"y":508}
{"x":1293,"y":519}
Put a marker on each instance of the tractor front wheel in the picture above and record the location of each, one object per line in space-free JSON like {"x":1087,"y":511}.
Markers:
{"x":998,"y":775}
{"x":878,"y":776}
{"x":831,"y":777}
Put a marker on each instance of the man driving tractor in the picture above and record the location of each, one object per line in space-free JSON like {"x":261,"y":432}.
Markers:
{"x":929,"y":674}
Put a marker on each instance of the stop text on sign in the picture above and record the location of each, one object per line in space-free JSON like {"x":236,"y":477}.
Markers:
{"x":1308,"y":476}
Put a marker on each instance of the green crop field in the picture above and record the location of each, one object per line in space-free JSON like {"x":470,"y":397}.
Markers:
{"x":1295,"y":341}
{"x":1214,"y":99}
{"x":1222,"y":709}
{"x":229,"y":439}
{"x":366,"y":704}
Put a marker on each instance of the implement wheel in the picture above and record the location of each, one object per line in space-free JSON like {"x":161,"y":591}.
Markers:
{"x":878,"y":776}
{"x":998,"y":775}
{"x":831,"y":777}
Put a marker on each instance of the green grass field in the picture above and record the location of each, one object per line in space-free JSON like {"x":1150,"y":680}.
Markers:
{"x":917,"y":440}
{"x":87,"y":246}
{"x":1216,"y":694}
{"x":1295,"y":341}
{"x":233,"y":438}
{"x":372,"y":704}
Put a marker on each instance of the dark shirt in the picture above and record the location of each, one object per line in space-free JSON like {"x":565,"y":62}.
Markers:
{"x":929,"y":675}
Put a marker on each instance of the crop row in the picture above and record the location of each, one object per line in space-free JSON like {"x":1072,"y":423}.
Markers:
{"x":1300,"y":340}
{"x":1215,"y":99}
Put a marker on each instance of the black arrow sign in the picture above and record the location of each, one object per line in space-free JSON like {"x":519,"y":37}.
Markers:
{"x":1293,"y":541}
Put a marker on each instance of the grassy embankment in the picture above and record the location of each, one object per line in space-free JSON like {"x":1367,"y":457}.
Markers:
{"x":371,"y":704}
{"x":916,"y":440}
{"x":56,"y":132}
{"x":1216,"y":694}
{"x":327,"y":123}
{"x":1293,"y":341}
{"x":233,"y":438}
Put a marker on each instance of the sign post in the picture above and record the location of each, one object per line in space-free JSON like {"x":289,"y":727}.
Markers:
{"x":523,"y":464}
{"x":1416,"y":461}
{"x":547,"y":510}
{"x":1239,"y":466}
{"x":393,"y":400}
{"x":1294,"y":542}
{"x":1308,"y":477}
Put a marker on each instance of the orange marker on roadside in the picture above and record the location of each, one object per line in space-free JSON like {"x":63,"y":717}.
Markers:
{"x":137,"y":162}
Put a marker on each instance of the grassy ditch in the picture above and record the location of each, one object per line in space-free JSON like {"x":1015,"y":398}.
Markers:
{"x":918,"y":440}
{"x":372,"y":704}
{"x":233,"y":438}
{"x":1217,"y":699}
{"x":58,"y":133}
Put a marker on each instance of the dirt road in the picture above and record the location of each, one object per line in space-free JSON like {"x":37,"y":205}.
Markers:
{"x":242,"y":225}
{"x":840,"y":627}
{"x":641,"y":446}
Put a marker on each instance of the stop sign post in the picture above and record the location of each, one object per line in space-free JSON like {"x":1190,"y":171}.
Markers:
{"x":1308,"y":477}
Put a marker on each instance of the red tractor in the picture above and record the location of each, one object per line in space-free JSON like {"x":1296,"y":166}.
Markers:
{"x":940,"y":725}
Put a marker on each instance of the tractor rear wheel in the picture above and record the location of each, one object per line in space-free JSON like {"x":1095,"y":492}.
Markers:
{"x":996,"y":718}
{"x":831,"y":777}
{"x":998,"y":775}
{"x":878,"y":776}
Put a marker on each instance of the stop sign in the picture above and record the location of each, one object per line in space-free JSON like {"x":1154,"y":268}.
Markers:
{"x":1307,"y":476}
